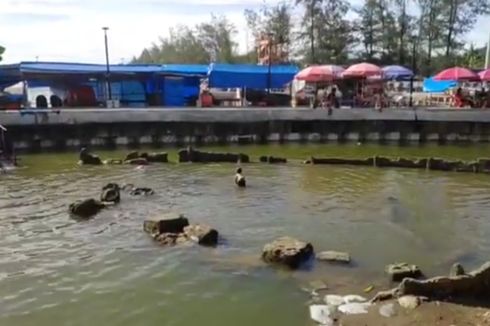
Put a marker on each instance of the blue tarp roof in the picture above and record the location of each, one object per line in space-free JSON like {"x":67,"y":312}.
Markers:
{"x":83,"y":68}
{"x":250,"y":76}
{"x":196,"y":70}
{"x":437,"y":86}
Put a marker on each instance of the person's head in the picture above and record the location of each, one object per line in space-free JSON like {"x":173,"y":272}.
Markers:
{"x":334,"y":90}
{"x":239,"y":171}
{"x":459,"y":90}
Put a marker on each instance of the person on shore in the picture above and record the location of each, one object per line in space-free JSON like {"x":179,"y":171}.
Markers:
{"x":332,"y":99}
{"x":240,"y":179}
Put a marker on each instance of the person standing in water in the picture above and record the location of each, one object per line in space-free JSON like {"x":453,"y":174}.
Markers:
{"x":240,"y":179}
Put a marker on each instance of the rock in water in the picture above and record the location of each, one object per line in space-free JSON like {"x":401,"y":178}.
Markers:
{"x":110,"y":193}
{"x":409,"y":302}
{"x":354,"y":308}
{"x":132,"y":156}
{"x":387,"y":310}
{"x":86,"y":208}
{"x":400,"y":271}
{"x":321,"y":314}
{"x":157,"y":157}
{"x":334,"y":256}
{"x":141,"y":192}
{"x":137,"y":161}
{"x":88,"y":158}
{"x":287,"y":251}
{"x":456,"y":270}
{"x":202,"y":234}
{"x":168,"y":223}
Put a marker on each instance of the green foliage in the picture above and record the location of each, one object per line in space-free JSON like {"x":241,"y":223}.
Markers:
{"x":2,"y":51}
{"x":430,"y":37}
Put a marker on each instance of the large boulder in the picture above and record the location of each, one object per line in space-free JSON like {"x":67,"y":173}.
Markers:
{"x":443,"y":165}
{"x":132,"y":156}
{"x":191,"y":155}
{"x":157,"y":157}
{"x":89,"y":158}
{"x":272,"y":159}
{"x":202,"y":234}
{"x":137,"y":161}
{"x":399,"y":271}
{"x":86,"y":208}
{"x":167,"y":223}
{"x":111,"y":193}
{"x":287,"y":251}
{"x":380,"y":161}
{"x":342,"y":161}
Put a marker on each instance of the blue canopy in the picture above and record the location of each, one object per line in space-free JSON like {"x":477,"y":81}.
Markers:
{"x":397,"y":72}
{"x":250,"y":76}
{"x":438,"y":86}
{"x":83,"y":68}
{"x":187,"y":70}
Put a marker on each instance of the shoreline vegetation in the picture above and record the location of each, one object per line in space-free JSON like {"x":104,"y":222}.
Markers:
{"x":428,"y":35}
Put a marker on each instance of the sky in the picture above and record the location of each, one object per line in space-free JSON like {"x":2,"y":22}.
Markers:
{"x":71,"y":30}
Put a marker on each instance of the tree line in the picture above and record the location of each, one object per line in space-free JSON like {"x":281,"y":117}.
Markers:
{"x":426,"y":34}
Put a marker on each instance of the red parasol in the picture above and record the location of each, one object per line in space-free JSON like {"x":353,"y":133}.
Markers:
{"x":362,"y":70}
{"x":485,"y":75}
{"x":320,"y":73}
{"x":457,"y":74}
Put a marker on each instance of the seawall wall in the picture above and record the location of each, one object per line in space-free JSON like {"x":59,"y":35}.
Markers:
{"x":36,"y":130}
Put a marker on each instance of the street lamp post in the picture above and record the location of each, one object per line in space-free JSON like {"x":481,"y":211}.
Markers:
{"x":108,"y":70}
{"x":414,"y":43}
{"x":269,"y":75}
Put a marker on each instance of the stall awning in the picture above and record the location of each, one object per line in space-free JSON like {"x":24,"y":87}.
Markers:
{"x":250,"y":76}
{"x":185,"y":70}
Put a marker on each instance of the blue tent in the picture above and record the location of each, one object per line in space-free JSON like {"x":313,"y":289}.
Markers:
{"x":250,"y":76}
{"x":438,"y":86}
{"x":185,"y":70}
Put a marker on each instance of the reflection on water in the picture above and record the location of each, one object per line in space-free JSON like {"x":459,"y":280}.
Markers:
{"x":108,"y":271}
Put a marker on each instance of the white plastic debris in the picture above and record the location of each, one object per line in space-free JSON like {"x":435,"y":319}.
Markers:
{"x":321,"y":314}
{"x":334,"y":300}
{"x":354,"y":308}
{"x":354,"y":298}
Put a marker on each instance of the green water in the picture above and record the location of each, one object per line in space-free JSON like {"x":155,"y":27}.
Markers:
{"x":55,"y":271}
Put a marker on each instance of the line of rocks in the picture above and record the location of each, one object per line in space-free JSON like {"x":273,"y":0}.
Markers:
{"x":481,"y":165}
{"x":110,"y":196}
{"x":133,"y":158}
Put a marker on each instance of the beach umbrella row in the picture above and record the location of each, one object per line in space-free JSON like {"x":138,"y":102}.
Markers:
{"x":358,"y":71}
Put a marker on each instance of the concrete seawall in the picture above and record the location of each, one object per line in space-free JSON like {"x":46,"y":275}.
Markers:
{"x":71,"y":128}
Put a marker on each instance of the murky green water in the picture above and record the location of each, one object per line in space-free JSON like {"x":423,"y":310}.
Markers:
{"x":54,"y":271}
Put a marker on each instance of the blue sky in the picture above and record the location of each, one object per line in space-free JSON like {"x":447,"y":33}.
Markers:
{"x":70,"y":30}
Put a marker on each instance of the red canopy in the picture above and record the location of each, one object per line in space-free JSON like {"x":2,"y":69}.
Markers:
{"x":457,"y":74}
{"x":320,"y":73}
{"x":485,"y":75}
{"x":363,"y":70}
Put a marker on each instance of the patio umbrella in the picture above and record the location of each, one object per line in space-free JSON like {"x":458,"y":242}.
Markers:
{"x":362,"y":70}
{"x":320,"y":73}
{"x":397,"y":72}
{"x":457,"y":74}
{"x":485,"y":75}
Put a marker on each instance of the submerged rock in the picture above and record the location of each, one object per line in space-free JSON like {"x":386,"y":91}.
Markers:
{"x":132,"y":156}
{"x":157,"y":157}
{"x":354,"y":298}
{"x":334,"y":256}
{"x":400,"y":271}
{"x":86,"y":208}
{"x":287,"y":251}
{"x":409,"y":302}
{"x":137,"y":161}
{"x":88,"y":158}
{"x":272,"y":159}
{"x":167,"y":223}
{"x":191,"y":155}
{"x":342,"y":161}
{"x":170,"y":239}
{"x":110,"y":193}
{"x":202,"y":234}
{"x":141,"y":191}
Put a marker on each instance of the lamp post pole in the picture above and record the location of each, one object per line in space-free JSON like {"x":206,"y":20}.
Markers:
{"x":269,"y":75}
{"x":414,"y":43}
{"x":108,"y":70}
